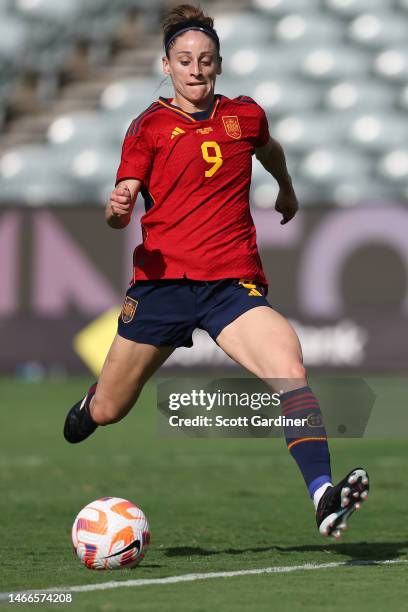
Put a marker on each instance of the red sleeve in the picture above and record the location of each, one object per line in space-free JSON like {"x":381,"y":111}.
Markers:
{"x":137,"y":156}
{"x":263,"y":129}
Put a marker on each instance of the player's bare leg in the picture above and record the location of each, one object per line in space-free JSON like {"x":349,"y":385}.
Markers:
{"x":127,"y":367}
{"x":264,"y":343}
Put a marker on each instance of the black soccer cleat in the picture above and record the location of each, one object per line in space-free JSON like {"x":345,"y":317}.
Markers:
{"x":339,"y":502}
{"x":79,"y":423}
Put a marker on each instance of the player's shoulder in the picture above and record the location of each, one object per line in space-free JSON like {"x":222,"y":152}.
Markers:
{"x":244,"y":103}
{"x":145,"y":119}
{"x":245,"y":100}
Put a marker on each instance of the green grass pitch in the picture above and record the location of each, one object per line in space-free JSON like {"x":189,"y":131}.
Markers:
{"x":213,"y":504}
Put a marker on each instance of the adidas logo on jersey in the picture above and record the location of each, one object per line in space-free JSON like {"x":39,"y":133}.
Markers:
{"x":176,"y":132}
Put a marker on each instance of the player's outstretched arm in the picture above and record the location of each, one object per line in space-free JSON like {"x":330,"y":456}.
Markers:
{"x":122,"y":200}
{"x":272,"y":157}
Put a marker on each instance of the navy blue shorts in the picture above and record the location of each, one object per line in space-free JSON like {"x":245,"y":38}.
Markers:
{"x":166,"y":312}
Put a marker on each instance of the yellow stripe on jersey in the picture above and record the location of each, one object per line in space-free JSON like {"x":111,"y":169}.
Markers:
{"x":216,"y":105}
{"x":177,"y":110}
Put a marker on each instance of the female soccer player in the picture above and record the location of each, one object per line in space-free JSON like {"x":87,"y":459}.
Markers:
{"x":198,"y":265}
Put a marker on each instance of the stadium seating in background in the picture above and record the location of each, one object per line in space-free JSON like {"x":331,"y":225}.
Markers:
{"x":13,"y":42}
{"x":90,"y":143}
{"x":264,"y":60}
{"x":298,"y":28}
{"x":55,"y":14}
{"x":377,"y":29}
{"x":305,"y":131}
{"x":379,"y":131}
{"x":263,"y":191}
{"x":277,"y":96}
{"x":393,"y":166}
{"x":276,"y":8}
{"x":329,"y":62}
{"x":357,"y":94}
{"x":133,"y":95}
{"x":75,"y":130}
{"x":31,"y":176}
{"x":242,"y":29}
{"x":57,"y":26}
{"x":403,"y":98}
{"x":46,"y":43}
{"x":392,"y":63}
{"x":331,"y":75}
{"x":331,"y":164}
{"x":94,"y":169}
{"x":351,"y":8}
{"x":364,"y":190}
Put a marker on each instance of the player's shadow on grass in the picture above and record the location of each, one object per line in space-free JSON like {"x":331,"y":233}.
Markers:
{"x":357,"y":551}
{"x":361,"y":551}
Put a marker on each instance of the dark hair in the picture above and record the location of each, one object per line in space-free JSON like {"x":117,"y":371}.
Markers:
{"x":185,"y":17}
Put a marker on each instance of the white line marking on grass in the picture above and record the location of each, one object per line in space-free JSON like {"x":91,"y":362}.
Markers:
{"x":116,"y":584}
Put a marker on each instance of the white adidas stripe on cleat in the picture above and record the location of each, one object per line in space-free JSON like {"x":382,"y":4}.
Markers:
{"x":83,"y":402}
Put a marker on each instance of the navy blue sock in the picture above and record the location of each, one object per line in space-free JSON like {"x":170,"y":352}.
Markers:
{"x":307,"y":443}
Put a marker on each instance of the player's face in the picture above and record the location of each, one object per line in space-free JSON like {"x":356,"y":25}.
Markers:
{"x":193,"y":66}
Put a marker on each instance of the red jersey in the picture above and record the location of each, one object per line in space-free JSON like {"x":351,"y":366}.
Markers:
{"x":196,"y":176}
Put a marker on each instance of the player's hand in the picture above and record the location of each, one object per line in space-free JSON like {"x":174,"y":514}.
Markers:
{"x":120,"y":202}
{"x":286,"y":204}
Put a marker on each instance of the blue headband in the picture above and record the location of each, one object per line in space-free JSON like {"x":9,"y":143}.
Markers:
{"x":211,"y":33}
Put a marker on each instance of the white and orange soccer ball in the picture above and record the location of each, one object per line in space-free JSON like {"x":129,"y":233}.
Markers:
{"x":110,"y":533}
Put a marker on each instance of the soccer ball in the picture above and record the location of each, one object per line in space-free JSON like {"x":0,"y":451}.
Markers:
{"x":110,"y":533}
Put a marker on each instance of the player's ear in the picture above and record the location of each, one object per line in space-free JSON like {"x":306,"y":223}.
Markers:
{"x":166,"y":65}
{"x":219,"y":69}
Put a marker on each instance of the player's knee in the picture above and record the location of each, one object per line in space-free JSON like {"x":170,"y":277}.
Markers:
{"x":296,"y":371}
{"x":285,"y":369}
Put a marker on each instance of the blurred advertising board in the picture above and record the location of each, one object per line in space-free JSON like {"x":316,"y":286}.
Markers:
{"x":339,"y":275}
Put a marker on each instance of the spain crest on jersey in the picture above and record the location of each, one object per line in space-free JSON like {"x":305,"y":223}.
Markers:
{"x":232,"y":126}
{"x":128,"y":309}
